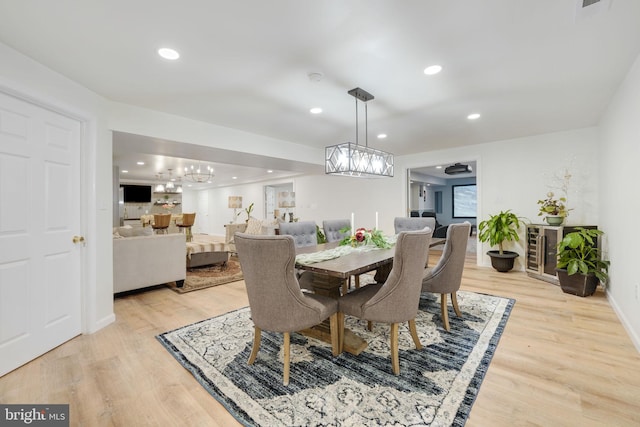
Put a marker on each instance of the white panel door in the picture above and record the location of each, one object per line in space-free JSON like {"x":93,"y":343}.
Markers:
{"x":40,"y":265}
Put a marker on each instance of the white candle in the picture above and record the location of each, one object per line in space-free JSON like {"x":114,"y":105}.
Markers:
{"x":353,"y":230}
{"x":376,"y":220}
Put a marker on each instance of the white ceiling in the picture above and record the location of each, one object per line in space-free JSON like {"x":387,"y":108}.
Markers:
{"x":527,"y":66}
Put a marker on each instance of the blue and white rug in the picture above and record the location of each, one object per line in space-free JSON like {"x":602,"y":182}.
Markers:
{"x":437,"y":385}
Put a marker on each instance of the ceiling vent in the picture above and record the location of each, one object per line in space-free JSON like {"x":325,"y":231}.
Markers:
{"x":586,"y":9}
{"x":586,"y":3}
{"x":457,"y":169}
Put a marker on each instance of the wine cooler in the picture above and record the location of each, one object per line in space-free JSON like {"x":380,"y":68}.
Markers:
{"x":542,"y":249}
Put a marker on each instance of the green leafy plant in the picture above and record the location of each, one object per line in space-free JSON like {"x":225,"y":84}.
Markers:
{"x":321,"y":237}
{"x":500,"y":228}
{"x":248,"y":211}
{"x":578,"y":253}
{"x":552,"y":206}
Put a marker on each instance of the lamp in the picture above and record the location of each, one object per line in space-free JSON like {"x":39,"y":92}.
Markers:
{"x":286,"y":200}
{"x":357,"y":160}
{"x":199,"y":174}
{"x":235,"y":203}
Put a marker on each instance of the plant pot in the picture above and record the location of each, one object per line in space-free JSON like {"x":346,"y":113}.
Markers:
{"x":554,"y":219}
{"x":577,"y":284}
{"x":502,"y":262}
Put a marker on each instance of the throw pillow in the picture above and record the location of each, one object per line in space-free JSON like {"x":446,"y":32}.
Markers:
{"x":125,"y":231}
{"x":142,"y":231}
{"x":254,"y":226}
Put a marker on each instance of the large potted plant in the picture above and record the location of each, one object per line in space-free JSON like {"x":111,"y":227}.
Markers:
{"x":497,"y":230}
{"x":580,"y":265}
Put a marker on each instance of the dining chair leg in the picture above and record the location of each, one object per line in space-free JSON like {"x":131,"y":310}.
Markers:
{"x":287,"y":355}
{"x":341,"y":331}
{"x":369,"y":325}
{"x":454,"y":302}
{"x":444,"y":311}
{"x":395,"y":360}
{"x":414,"y":333}
{"x":335,"y":334}
{"x":257,"y":333}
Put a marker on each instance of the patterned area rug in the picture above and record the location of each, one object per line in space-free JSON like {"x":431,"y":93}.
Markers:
{"x":436,"y":386}
{"x":211,"y":275}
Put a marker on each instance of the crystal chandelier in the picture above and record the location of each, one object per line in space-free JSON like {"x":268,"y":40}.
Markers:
{"x":199,"y":173}
{"x":358,"y":160}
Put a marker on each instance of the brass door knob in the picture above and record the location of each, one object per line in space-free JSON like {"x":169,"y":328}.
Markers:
{"x":78,"y":239}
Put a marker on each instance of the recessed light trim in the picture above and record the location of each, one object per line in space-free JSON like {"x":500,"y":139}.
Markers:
{"x":269,"y":171}
{"x":168,"y":53}
{"x":432,"y":69}
{"x":140,"y":163}
{"x":315,"y":110}
{"x":124,"y":171}
{"x":473,"y":116}
{"x":382,"y":135}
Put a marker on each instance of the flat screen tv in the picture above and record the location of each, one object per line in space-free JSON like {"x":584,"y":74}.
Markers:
{"x":137,"y":193}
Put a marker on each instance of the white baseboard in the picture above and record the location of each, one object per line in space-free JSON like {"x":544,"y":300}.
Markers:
{"x":101,"y":323}
{"x":635,"y":339}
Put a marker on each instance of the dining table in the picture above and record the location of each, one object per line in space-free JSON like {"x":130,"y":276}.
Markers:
{"x":332,"y":273}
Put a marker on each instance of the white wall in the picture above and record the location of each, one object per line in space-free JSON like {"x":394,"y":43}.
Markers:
{"x":27,"y":78}
{"x":619,"y":155}
{"x":514,"y":174}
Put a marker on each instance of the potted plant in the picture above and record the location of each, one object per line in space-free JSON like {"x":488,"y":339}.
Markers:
{"x":580,"y":265}
{"x":248,"y":212}
{"x":496,"y":230}
{"x":554,"y":210}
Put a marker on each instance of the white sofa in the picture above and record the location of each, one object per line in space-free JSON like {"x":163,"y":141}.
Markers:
{"x":143,"y":261}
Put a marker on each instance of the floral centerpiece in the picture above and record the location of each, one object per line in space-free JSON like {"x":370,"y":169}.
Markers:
{"x":553,"y":208}
{"x":364,"y":237}
{"x":168,"y":206}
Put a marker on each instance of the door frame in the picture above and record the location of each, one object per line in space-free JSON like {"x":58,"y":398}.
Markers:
{"x":88,"y":141}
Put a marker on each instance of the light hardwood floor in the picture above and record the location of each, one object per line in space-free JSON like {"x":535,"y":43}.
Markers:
{"x":562,"y":361}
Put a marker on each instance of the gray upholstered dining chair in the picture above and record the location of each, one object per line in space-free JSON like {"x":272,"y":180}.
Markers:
{"x":332,"y":229}
{"x":397,"y":299}
{"x":446,"y":276}
{"x":277,"y":304}
{"x":304,"y":233}
{"x":413,"y":223}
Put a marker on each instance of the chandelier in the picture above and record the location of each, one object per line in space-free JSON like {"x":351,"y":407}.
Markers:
{"x":199,"y":173}
{"x":358,"y":160}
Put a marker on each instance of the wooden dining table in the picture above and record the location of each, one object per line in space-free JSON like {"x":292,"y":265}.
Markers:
{"x":330,"y":276}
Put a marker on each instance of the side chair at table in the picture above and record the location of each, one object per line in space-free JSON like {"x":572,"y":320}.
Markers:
{"x":161,"y":223}
{"x":446,"y":276}
{"x":398,"y":298}
{"x":277,"y":304}
{"x":333,"y":234}
{"x":188,"y":219}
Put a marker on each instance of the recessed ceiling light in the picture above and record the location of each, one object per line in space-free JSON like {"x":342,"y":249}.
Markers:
{"x":269,"y":171}
{"x":234,"y":177}
{"x":167,"y":53}
{"x":382,"y":136}
{"x":140,"y":163}
{"x":474,"y":116}
{"x":433,"y":69}
{"x":315,"y":110}
{"x":125,"y":171}
{"x":438,"y":167}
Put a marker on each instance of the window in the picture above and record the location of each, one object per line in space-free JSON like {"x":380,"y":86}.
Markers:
{"x":464,"y":201}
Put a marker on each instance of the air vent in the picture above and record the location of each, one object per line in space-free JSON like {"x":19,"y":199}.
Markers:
{"x":588,"y":9}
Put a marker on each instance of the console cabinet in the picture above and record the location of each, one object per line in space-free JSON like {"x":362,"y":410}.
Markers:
{"x":542,"y":249}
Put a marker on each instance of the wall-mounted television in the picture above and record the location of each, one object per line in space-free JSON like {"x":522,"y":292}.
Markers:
{"x":137,"y":193}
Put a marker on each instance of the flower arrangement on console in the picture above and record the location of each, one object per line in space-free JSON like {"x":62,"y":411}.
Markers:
{"x":168,"y":206}
{"x":364,"y":237}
